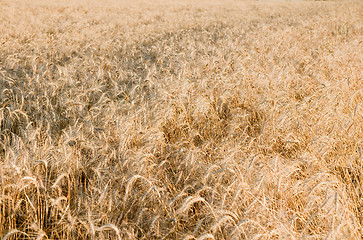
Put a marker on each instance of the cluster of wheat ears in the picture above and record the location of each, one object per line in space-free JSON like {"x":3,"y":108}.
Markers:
{"x":181,"y":120}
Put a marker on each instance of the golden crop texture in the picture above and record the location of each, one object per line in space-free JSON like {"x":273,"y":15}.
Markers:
{"x":181,"y":120}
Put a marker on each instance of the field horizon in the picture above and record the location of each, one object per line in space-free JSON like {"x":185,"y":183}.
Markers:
{"x":181,"y":120}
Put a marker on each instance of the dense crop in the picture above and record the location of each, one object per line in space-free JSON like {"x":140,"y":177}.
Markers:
{"x":181,"y":120}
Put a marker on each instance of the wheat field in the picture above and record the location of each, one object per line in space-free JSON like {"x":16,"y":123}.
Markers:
{"x":181,"y":120}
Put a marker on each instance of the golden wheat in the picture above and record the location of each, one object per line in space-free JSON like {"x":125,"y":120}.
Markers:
{"x":181,"y":120}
